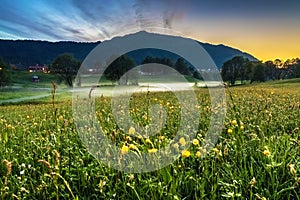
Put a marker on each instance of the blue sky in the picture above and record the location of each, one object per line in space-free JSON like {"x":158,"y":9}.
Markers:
{"x":268,"y":29}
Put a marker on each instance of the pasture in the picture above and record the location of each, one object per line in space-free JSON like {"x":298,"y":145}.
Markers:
{"x":257,"y":155}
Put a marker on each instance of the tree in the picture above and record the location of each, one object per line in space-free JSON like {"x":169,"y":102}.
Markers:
{"x":259,"y":73}
{"x":5,"y":78}
{"x":66,"y":66}
{"x":296,"y":71}
{"x":119,"y":68}
{"x":270,"y":70}
{"x":181,"y":67}
{"x":156,"y":69}
{"x":293,"y":68}
{"x":232,"y":69}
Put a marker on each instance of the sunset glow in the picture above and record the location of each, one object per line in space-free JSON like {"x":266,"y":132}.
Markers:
{"x":267,"y":30}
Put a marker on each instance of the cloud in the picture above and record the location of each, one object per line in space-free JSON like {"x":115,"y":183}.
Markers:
{"x":92,"y":20}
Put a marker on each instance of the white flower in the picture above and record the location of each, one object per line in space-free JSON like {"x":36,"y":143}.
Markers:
{"x":22,"y":172}
{"x":29,"y":166}
{"x":23,"y":165}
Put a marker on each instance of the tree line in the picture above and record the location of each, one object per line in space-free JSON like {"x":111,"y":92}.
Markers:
{"x":241,"y":69}
{"x":236,"y":69}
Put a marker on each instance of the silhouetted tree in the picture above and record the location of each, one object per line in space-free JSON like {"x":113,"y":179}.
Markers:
{"x":232,"y":69}
{"x":259,"y":73}
{"x":156,"y":69}
{"x":119,"y":67}
{"x":5,"y":77}
{"x":66,"y":66}
{"x":182,"y":67}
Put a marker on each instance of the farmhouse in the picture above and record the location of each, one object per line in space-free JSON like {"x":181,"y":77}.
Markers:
{"x":38,"y":68}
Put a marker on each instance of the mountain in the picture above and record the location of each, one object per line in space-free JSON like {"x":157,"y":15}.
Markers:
{"x":24,"y":53}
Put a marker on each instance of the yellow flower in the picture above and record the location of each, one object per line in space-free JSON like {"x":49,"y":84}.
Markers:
{"x":60,"y":117}
{"x":252,"y":182}
{"x":182,"y":141}
{"x":229,"y":131}
{"x":195,"y":142}
{"x":131,"y":130}
{"x":242,"y":127}
{"x":162,"y":137}
{"x":153,"y":150}
{"x":234,"y":122}
{"x":35,"y":124}
{"x":226,"y":151}
{"x":131,"y":177}
{"x":266,"y":152}
{"x":176,"y":146}
{"x":128,"y":138}
{"x":292,"y":169}
{"x":215,"y":150}
{"x":198,"y":154}
{"x":148,"y":141}
{"x":185,"y":153}
{"x":124,"y":149}
{"x":132,"y":146}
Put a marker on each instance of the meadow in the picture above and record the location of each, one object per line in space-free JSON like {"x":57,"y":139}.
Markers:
{"x":257,"y":155}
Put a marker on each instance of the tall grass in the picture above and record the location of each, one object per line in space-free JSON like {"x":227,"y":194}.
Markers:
{"x":257,"y":155}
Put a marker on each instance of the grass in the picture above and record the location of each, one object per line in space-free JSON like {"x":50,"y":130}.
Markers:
{"x":24,"y":79}
{"x":257,"y":155}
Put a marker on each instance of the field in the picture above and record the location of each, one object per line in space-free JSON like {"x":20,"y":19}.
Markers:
{"x":257,"y":155}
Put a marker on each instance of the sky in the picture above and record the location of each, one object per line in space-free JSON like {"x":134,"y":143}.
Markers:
{"x":267,"y":29}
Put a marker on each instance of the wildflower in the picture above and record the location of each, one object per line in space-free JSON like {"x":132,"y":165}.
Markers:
{"x":128,"y":138}
{"x":292,"y":169}
{"x":29,"y":166}
{"x":198,"y":154}
{"x":148,"y":141}
{"x":252,"y":182}
{"x":162,"y":137}
{"x":153,"y":150}
{"x":131,"y":130}
{"x":195,"y":142}
{"x":131,"y":177}
{"x":225,"y":151}
{"x":9,"y":126}
{"x":27,"y":116}
{"x":124,"y":149}
{"x":176,"y":146}
{"x":182,"y":141}
{"x":215,"y":150}
{"x":229,"y":131}
{"x":266,"y":152}
{"x":132,"y":146}
{"x":22,"y":172}
{"x":185,"y":153}
{"x":23,"y":165}
{"x":242,"y":127}
{"x":234,"y":122}
{"x":144,"y":117}
{"x":101,"y":185}
{"x":60,"y":117}
{"x":35,"y":124}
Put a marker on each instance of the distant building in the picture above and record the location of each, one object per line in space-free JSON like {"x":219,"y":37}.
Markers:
{"x":38,"y":68}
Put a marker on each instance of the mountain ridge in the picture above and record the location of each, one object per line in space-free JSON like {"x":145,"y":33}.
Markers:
{"x":31,"y":52}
